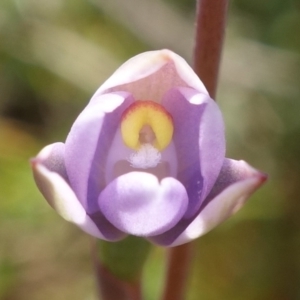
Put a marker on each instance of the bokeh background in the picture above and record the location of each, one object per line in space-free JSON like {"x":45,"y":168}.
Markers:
{"x":53,"y":56}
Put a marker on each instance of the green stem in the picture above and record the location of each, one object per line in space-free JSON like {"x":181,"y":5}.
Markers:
{"x":118,"y":267}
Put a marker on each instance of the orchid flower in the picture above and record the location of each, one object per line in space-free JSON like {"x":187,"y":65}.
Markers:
{"x":146,"y":157}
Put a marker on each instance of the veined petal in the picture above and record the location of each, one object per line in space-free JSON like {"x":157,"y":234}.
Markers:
{"x":236,"y":183}
{"x":137,"y":203}
{"x":88,"y":143}
{"x":61,"y":197}
{"x":199,"y":141}
{"x":150,"y":74}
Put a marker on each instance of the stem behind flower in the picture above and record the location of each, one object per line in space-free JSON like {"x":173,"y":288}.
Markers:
{"x":179,"y":259}
{"x":210,"y":29}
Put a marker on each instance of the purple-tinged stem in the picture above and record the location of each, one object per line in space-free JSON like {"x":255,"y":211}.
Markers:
{"x":112,"y":288}
{"x":178,"y":267}
{"x":109,"y":286}
{"x":210,"y":29}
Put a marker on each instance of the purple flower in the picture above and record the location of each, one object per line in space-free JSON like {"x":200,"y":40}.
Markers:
{"x":146,"y":157}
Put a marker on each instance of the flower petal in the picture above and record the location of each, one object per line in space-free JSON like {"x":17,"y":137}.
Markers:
{"x":52,"y":157}
{"x":88,"y":143}
{"x":149,"y":75}
{"x":236,"y":183}
{"x":60,"y":196}
{"x":137,"y":203}
{"x":199,"y":140}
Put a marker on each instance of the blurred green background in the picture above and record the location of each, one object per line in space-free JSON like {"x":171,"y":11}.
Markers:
{"x":53,"y":56}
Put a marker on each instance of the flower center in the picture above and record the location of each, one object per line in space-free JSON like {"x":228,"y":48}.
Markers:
{"x":147,"y":128}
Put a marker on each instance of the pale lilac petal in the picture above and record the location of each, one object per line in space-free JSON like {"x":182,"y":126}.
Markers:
{"x":61,"y":197}
{"x":149,"y":75}
{"x":199,"y":140}
{"x":88,"y":143}
{"x":236,"y":183}
{"x":137,"y":203}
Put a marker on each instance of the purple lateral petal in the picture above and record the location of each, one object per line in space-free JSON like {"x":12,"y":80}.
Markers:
{"x":88,"y":143}
{"x":149,"y":75}
{"x":235,"y":184}
{"x":61,"y":197}
{"x":232,"y":172}
{"x":199,"y":140}
{"x":138,"y":204}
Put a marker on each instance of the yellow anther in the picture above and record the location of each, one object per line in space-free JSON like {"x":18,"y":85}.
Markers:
{"x":146,"y":122}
